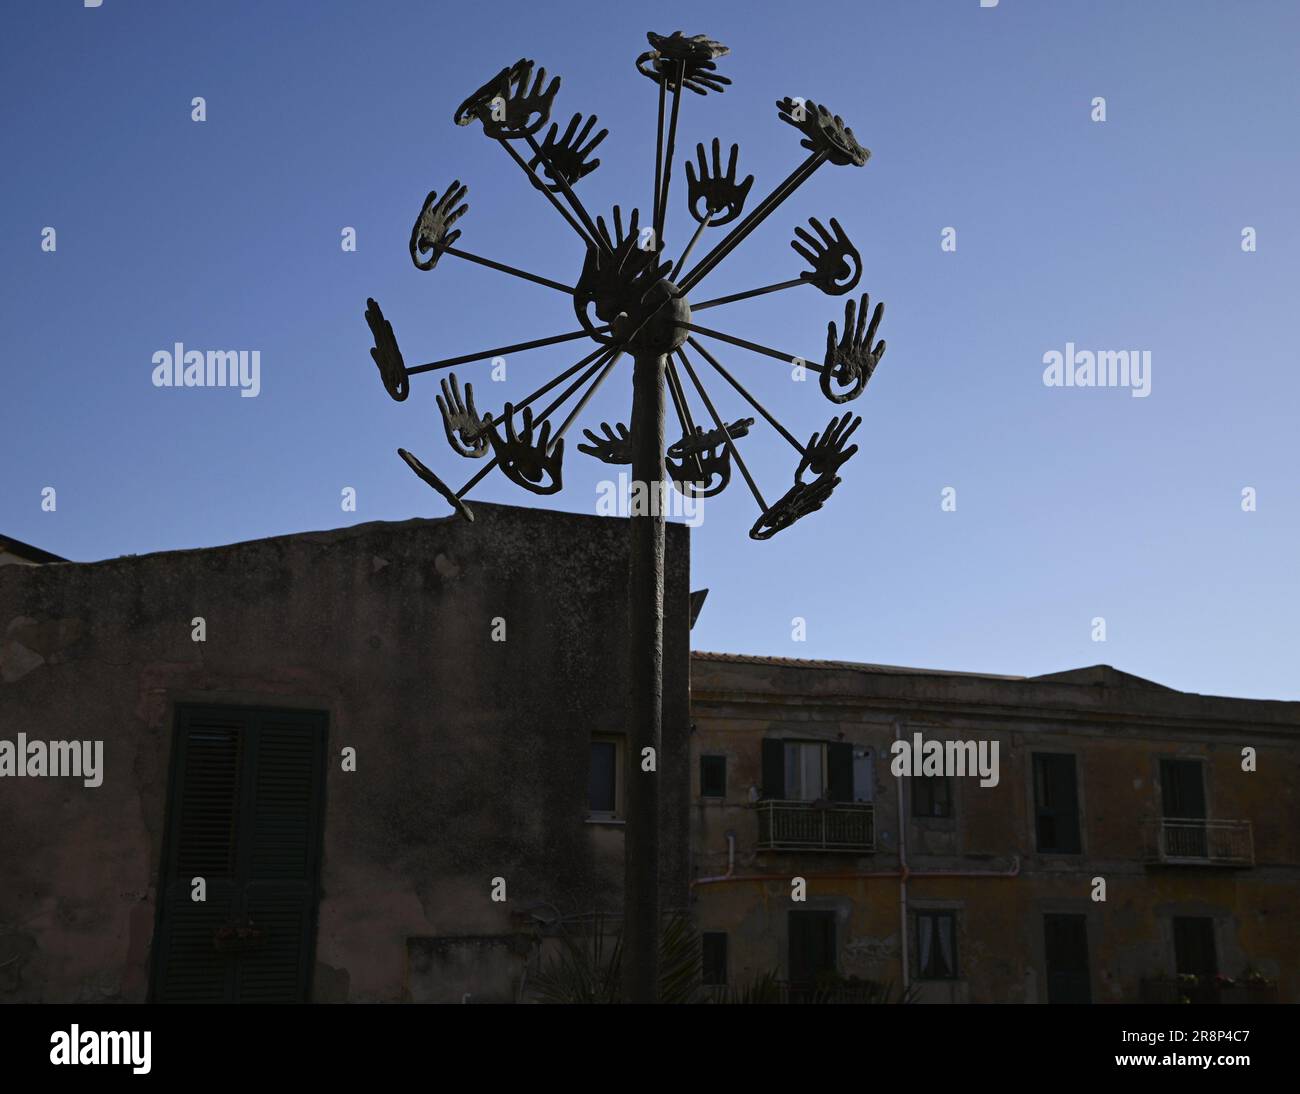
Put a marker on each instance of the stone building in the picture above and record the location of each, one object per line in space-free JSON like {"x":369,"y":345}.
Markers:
{"x":394,"y":755}
{"x":356,"y":739}
{"x":1185,"y":806}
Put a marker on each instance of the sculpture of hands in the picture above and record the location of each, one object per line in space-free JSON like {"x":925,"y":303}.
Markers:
{"x":527,"y":461}
{"x":850,"y":361}
{"x":429,"y":237}
{"x":718,"y":191}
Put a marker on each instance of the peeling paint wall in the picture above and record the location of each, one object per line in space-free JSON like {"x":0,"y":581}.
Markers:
{"x":471,"y":755}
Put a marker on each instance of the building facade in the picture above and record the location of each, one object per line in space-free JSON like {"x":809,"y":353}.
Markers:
{"x":1137,"y":843}
{"x":345,"y":766}
{"x":389,"y":763}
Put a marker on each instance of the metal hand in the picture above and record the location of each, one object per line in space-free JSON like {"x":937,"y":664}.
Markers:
{"x":527,"y":462}
{"x":505,"y":104}
{"x":800,"y":500}
{"x":696,"y":54}
{"x":522,"y":103}
{"x":688,"y":446}
{"x":386,"y":355}
{"x":467,"y":432}
{"x":826,"y":455}
{"x":429,"y":237}
{"x":717,"y":191}
{"x":693,"y":474}
{"x":566,"y":155}
{"x":612,"y":447}
{"x":836,"y":264}
{"x":616,"y":277}
{"x":823,"y":132}
{"x":851,"y":361}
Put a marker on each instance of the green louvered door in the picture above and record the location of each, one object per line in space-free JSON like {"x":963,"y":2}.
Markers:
{"x":245,"y":815}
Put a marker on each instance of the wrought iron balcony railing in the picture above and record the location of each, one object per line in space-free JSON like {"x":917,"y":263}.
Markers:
{"x":1199,"y":842}
{"x":816,"y":826}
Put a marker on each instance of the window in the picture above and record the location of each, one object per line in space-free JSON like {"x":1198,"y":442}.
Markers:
{"x":809,"y":770}
{"x":812,"y":946}
{"x":805,"y":765}
{"x":936,"y":945}
{"x":713,"y":776}
{"x":1182,"y":789}
{"x":1194,"y":950}
{"x":1182,"y":793}
{"x":605,"y":782}
{"x":1065,"y":946}
{"x":931,"y":796}
{"x":715,"y":957}
{"x":1056,"y":803}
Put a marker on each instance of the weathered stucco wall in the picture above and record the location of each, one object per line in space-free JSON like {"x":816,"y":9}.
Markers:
{"x":472,"y":754}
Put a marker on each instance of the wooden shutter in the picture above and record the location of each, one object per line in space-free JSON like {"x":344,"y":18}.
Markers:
{"x":773,"y":768}
{"x":245,"y":814}
{"x":283,"y":845}
{"x":839,"y":771}
{"x":203,"y":821}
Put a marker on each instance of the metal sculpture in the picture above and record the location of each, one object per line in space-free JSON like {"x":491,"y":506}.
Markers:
{"x":631,"y":298}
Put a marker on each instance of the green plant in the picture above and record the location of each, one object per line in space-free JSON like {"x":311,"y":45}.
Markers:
{"x":589,"y":966}
{"x":762,"y":989}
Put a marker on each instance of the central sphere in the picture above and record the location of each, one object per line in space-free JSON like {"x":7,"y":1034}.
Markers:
{"x":665,"y":330}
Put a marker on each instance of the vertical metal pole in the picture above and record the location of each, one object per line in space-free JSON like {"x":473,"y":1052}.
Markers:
{"x":646,"y":642}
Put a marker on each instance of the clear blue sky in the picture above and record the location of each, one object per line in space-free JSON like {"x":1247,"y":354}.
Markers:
{"x":1071,"y":503}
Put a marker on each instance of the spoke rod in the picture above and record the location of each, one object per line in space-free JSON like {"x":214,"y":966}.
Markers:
{"x":582,"y":403}
{"x":699,"y":231}
{"x":562,"y":376}
{"x":545,"y":190}
{"x":507,"y":269}
{"x":501,"y":351}
{"x":746,"y":395}
{"x":788,"y":358}
{"x":683,"y":411}
{"x":483,"y":471}
{"x":675,"y":383}
{"x":792,"y":283}
{"x":577,"y":205}
{"x":659,"y":146}
{"x":661,"y":211}
{"x":737,"y":235}
{"x":731,"y":445}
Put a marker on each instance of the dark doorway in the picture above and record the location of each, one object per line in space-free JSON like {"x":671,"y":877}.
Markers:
{"x":1182,"y":790}
{"x":812,"y":948}
{"x":1065,"y":939}
{"x":245,"y":814}
{"x":1194,"y":950}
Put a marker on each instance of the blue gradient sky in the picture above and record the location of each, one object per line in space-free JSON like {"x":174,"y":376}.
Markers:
{"x":1071,"y":503}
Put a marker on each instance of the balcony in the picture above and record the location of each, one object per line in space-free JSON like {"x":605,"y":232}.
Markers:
{"x":816,"y":826}
{"x":1182,"y":841}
